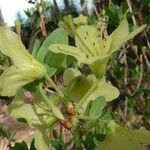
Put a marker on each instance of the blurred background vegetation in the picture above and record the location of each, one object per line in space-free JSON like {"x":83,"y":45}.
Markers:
{"x":128,"y":70}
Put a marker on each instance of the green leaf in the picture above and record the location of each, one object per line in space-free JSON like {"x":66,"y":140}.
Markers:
{"x":32,"y":146}
{"x":19,"y":97}
{"x":19,"y":109}
{"x":68,"y":61}
{"x":146,"y":2}
{"x":123,"y":10}
{"x":41,"y":139}
{"x":97,"y":107}
{"x":2,"y":57}
{"x":57,"y":36}
{"x":58,"y":144}
{"x":54,"y":60}
{"x":113,"y":12}
{"x":50,"y":70}
{"x":57,"y":113}
{"x":118,"y":137}
{"x":49,"y":104}
{"x":79,"y":87}
{"x":5,"y":133}
{"x":89,"y":125}
{"x":70,"y":74}
{"x":36,"y":47}
{"x":20,"y":146}
{"x":89,"y":141}
{"x":103,"y":89}
{"x":68,"y":50}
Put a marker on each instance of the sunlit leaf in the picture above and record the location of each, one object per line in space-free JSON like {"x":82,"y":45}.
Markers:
{"x":41,"y":139}
{"x":36,"y":47}
{"x":59,"y":36}
{"x":79,"y":87}
{"x":24,"y":111}
{"x":69,"y":74}
{"x":118,"y":138}
{"x":103,"y":89}
{"x":54,"y":60}
{"x":97,"y":106}
{"x":107,"y":90}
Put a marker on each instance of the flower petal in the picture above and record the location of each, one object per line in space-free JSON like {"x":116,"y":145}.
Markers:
{"x":121,"y":35}
{"x":87,"y":40}
{"x":11,"y":45}
{"x":135,"y":32}
{"x":69,"y":50}
{"x":117,"y":37}
{"x":98,"y":65}
{"x":11,"y":80}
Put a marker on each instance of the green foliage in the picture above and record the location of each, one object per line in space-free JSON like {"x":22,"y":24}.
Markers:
{"x":79,"y":100}
{"x":57,"y":36}
{"x":69,"y":75}
{"x":89,"y":141}
{"x":119,"y":137}
{"x":4,"y":133}
{"x":97,"y":107}
{"x":18,"y":146}
{"x":41,"y":139}
{"x":116,"y":13}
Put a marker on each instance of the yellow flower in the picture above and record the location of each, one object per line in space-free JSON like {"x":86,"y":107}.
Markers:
{"x":92,"y":49}
{"x":25,"y":68}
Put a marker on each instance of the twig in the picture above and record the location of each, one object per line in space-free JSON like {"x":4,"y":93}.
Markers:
{"x":131,"y":11}
{"x":96,"y":12}
{"x":126,"y":67}
{"x":52,"y":83}
{"x":42,"y":25}
{"x":141,"y":76}
{"x":42,"y":22}
{"x":125,"y":107}
{"x":145,"y":57}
